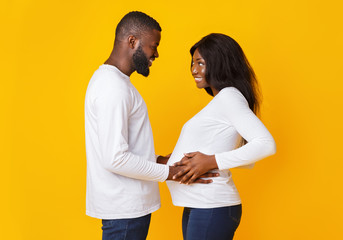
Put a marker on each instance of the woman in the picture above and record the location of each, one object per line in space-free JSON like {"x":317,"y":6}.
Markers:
{"x":226,"y":133}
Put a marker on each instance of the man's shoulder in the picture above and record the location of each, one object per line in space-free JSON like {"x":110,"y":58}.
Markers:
{"x":110,"y":78}
{"x":106,"y":81}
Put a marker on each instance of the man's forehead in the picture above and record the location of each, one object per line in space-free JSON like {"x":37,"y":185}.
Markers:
{"x":152,"y":35}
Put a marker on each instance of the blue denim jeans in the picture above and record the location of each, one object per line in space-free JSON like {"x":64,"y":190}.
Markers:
{"x":126,"y":229}
{"x":210,"y":223}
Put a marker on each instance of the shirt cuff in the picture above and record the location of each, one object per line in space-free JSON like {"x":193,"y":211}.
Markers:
{"x":166,"y":172}
{"x":219,"y":163}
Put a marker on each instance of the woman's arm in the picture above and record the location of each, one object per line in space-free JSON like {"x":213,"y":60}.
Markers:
{"x":260,"y":142}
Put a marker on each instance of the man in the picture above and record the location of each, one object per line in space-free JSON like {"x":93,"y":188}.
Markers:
{"x":122,"y":172}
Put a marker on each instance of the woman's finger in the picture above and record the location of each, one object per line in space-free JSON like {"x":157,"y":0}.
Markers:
{"x":182,"y":162}
{"x":189,"y":155}
{"x":209,"y":174}
{"x":192,"y":179}
{"x":186,"y":177}
{"x":204,"y":181}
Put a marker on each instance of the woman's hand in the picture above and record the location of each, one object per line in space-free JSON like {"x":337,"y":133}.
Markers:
{"x":195,"y":165}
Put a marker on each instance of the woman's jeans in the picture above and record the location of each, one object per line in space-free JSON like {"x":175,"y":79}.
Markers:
{"x":210,"y":223}
{"x":126,"y":229}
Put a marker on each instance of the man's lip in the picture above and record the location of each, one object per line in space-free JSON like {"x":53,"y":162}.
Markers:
{"x":150,"y":61}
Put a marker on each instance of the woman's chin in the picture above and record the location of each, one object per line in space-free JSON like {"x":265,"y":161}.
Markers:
{"x":201,"y":85}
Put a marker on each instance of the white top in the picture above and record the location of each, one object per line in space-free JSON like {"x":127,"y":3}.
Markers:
{"x":121,"y":162}
{"x":215,"y":130}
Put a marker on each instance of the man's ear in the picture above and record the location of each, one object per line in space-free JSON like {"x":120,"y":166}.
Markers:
{"x":133,"y":41}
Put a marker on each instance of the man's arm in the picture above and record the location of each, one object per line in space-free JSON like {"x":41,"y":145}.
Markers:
{"x":112,"y":109}
{"x":163,"y":159}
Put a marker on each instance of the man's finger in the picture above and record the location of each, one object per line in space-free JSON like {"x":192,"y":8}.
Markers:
{"x":181,"y":173}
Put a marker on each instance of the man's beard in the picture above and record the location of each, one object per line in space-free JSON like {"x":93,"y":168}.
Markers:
{"x":141,"y":62}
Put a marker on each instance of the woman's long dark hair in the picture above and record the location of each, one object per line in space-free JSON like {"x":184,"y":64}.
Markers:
{"x":227,"y":66}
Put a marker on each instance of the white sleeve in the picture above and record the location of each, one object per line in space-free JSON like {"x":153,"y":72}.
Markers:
{"x":260,"y":143}
{"x":112,"y":112}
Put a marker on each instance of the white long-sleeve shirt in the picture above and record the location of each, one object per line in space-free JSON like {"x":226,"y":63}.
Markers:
{"x":215,"y":130}
{"x":122,"y":172}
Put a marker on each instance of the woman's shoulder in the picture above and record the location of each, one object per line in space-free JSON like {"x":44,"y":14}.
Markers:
{"x":231,"y":94}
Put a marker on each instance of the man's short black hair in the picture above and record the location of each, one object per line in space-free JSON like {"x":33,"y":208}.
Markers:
{"x":136,"y":23}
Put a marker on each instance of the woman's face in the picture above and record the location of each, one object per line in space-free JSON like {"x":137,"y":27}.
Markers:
{"x":198,"y":70}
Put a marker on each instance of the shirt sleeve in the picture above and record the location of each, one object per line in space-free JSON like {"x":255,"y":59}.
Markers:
{"x":260,"y":143}
{"x":112,"y":112}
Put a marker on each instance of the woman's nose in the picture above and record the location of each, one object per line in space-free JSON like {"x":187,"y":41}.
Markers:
{"x":194,"y":70}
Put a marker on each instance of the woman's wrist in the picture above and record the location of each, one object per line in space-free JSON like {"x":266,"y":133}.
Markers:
{"x":212,"y":162}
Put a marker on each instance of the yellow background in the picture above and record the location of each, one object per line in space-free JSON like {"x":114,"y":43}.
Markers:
{"x":50,"y":49}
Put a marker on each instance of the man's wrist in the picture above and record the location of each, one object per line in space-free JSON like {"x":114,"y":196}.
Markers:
{"x":162,"y":160}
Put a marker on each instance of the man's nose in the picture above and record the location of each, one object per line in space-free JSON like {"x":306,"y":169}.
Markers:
{"x":156,"y":55}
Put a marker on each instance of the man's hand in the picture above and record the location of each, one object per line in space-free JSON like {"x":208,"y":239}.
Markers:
{"x":195,"y":165}
{"x":173,"y":170}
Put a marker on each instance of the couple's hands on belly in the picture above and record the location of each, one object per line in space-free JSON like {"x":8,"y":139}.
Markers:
{"x":195,"y":166}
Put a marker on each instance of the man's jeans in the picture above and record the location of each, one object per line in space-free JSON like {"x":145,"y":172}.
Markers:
{"x":210,"y":223}
{"x":126,"y":229}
